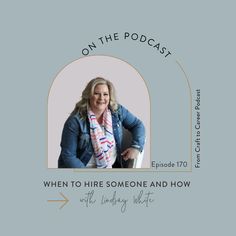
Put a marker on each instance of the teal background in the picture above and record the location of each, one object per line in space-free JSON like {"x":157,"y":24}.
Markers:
{"x":38,"y":38}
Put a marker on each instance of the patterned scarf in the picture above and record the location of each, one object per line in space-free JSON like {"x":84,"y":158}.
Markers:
{"x":103,"y":141}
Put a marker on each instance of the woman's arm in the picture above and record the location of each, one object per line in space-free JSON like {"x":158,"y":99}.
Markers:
{"x":135,"y":126}
{"x":69,"y":144}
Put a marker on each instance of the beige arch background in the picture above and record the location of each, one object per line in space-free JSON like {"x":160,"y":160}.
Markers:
{"x":68,"y":85}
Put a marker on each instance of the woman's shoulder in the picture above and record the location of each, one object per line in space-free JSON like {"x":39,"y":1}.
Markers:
{"x":120,"y":108}
{"x":75,"y":119}
{"x":121,"y":111}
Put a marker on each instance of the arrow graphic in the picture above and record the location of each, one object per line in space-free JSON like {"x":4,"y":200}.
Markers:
{"x":65,"y":200}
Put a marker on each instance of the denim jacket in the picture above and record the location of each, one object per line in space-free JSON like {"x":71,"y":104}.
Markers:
{"x":76,"y":145}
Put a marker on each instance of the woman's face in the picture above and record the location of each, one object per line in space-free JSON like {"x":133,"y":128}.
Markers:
{"x":100,"y":98}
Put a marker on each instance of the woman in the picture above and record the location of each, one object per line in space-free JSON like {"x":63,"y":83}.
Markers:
{"x":92,"y":135}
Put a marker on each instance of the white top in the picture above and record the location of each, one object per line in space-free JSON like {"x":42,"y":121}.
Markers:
{"x":92,"y":162}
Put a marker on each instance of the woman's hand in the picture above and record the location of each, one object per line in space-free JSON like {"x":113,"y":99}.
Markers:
{"x":130,"y":153}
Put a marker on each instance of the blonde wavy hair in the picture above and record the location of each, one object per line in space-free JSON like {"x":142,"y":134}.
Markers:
{"x":81,"y":106}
